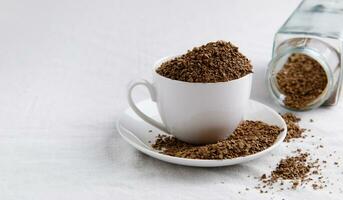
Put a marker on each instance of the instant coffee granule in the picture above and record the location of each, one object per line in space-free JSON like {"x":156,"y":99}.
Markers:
{"x":302,"y":80}
{"x":214,"y":62}
{"x":249,"y":137}
{"x":298,"y":170}
{"x":293,"y":128}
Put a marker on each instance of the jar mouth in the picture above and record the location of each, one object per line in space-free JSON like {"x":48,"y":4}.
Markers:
{"x":276,"y":64}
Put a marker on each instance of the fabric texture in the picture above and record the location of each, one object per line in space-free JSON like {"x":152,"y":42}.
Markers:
{"x":64,"y":68}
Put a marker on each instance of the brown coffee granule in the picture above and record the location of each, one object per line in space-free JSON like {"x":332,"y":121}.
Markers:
{"x":290,"y":117}
{"x":295,"y":169}
{"x":302,"y":79}
{"x":292,"y":168}
{"x":293,"y":128}
{"x":249,"y":137}
{"x":214,"y":62}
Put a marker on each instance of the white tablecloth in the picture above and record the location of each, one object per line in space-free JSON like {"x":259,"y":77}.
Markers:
{"x":64,"y":66}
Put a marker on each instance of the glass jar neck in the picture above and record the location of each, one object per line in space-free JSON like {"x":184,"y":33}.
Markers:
{"x":323,"y":53}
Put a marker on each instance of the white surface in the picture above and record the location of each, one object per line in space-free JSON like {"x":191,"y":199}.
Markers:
{"x":142,"y":135}
{"x":64,"y":67}
{"x":194,"y":111}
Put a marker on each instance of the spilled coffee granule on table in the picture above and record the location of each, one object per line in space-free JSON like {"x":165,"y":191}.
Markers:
{"x":302,"y":80}
{"x":298,"y":170}
{"x":249,"y":138}
{"x":293,"y":128}
{"x":214,"y":62}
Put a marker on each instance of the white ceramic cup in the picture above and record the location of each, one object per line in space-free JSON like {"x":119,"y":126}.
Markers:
{"x":196,"y":113}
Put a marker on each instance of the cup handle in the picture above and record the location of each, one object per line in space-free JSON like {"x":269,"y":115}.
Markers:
{"x":133,"y":106}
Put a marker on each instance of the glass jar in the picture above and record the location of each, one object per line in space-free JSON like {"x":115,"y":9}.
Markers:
{"x":315,"y":29}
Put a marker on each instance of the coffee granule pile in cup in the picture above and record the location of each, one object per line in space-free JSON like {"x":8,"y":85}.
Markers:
{"x":249,"y":138}
{"x":214,"y":62}
{"x":302,"y":80}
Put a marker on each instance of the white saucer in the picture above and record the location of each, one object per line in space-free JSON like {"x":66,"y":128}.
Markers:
{"x":141,"y":134}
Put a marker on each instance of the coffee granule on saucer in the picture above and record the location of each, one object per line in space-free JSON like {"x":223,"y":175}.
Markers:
{"x":214,"y":62}
{"x":249,"y":138}
{"x":302,"y":80}
{"x":293,"y":128}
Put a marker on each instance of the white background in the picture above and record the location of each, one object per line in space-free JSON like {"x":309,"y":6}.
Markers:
{"x":64,"y":67}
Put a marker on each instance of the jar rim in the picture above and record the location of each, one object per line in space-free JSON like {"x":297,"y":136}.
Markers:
{"x":276,"y":93}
